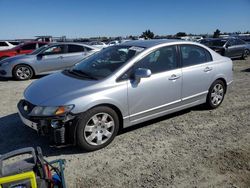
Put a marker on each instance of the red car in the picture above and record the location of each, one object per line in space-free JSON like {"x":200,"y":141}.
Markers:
{"x":23,"y":48}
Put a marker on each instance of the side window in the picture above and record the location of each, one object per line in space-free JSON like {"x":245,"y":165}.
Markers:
{"x":239,"y":42}
{"x":41,"y":44}
{"x":3,"y":44}
{"x":29,"y":46}
{"x":54,"y":50}
{"x":75,"y":48}
{"x":161,"y":60}
{"x":193,"y":55}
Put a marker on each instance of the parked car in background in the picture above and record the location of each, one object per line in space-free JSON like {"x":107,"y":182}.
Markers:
{"x":5,"y":45}
{"x":45,"y":60}
{"x":230,"y":47}
{"x":23,"y":48}
{"x":98,"y":44}
{"x":89,"y":103}
{"x":112,"y":43}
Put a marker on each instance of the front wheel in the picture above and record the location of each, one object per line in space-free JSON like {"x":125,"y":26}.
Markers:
{"x":216,"y":94}
{"x":22,"y":72}
{"x":97,"y":128}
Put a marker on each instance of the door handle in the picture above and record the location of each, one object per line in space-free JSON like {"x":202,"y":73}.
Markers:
{"x":207,"y":69}
{"x":60,"y":57}
{"x":174,"y":77}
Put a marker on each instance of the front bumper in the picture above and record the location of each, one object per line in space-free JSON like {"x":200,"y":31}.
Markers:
{"x":59,"y":129}
{"x":5,"y":71}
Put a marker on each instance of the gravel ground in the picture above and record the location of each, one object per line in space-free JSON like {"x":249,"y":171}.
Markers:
{"x":192,"y":148}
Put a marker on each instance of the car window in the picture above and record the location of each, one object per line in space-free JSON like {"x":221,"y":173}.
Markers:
{"x":14,"y":43}
{"x":106,"y":62}
{"x":75,"y":48}
{"x":161,"y":60}
{"x":193,"y":55}
{"x":239,"y":42}
{"x":3,"y":44}
{"x":29,"y":46}
{"x":59,"y":49}
{"x":41,"y":44}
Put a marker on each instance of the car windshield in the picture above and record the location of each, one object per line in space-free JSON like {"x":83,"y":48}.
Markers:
{"x":37,"y":51}
{"x":105,"y":62}
{"x":214,"y":42}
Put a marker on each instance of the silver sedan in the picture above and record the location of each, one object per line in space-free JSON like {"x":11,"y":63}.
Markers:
{"x":124,"y":85}
{"x":45,"y":60}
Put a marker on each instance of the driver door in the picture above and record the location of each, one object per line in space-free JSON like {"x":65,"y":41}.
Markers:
{"x":154,"y":96}
{"x":52,"y":59}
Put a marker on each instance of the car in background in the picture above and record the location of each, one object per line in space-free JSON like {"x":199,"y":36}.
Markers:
{"x":98,"y":44}
{"x":45,"y":60}
{"x":88,"y":104}
{"x":112,"y":43}
{"x":23,"y":48}
{"x":230,"y":47}
{"x":5,"y":45}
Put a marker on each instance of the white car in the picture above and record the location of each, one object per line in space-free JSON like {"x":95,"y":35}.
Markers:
{"x":112,"y":43}
{"x":98,"y":44}
{"x":5,"y":45}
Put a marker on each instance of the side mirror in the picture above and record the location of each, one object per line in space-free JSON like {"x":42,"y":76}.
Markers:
{"x":141,"y":73}
{"x":39,"y":56}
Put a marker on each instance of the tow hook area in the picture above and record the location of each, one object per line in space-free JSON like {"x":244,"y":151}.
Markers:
{"x":61,"y":131}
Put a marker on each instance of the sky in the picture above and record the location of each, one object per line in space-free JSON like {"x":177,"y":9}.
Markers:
{"x":93,"y":18}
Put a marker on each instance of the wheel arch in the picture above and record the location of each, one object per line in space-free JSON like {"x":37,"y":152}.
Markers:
{"x":34,"y":72}
{"x":223,"y":80}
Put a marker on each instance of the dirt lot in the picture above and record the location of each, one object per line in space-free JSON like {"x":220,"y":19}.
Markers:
{"x":193,"y":148}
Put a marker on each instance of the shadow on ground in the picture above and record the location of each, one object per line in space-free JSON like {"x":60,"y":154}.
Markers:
{"x":3,"y":79}
{"x":14,"y":135}
{"x":246,"y":70}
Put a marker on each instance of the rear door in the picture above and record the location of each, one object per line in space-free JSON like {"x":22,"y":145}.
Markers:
{"x":197,"y":70}
{"x":74,"y":54}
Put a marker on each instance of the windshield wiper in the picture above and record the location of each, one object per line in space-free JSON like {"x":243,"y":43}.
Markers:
{"x":81,"y":73}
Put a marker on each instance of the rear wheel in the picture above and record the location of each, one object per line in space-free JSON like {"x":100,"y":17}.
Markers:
{"x":97,"y":128}
{"x":22,"y":72}
{"x":216,"y":94}
{"x":245,"y":54}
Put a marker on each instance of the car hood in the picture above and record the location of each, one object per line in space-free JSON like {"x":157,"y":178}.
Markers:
{"x":54,"y":86}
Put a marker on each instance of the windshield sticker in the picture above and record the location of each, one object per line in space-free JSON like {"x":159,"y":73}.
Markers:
{"x":135,"y":48}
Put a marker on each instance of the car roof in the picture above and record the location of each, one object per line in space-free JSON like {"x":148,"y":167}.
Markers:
{"x":72,"y":43}
{"x":150,"y":43}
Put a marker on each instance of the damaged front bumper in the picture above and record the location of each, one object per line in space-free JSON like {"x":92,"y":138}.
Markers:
{"x":60,"y":129}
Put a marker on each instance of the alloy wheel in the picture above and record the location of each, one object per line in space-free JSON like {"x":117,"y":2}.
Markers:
{"x":99,"y":129}
{"x":217,"y":94}
{"x":23,"y":73}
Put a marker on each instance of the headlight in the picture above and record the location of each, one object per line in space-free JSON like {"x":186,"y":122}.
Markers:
{"x":51,"y":111}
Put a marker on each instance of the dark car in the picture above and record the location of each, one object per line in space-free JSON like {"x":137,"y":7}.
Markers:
{"x":230,"y":47}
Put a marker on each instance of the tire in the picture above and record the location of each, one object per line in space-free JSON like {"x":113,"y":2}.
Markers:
{"x":245,"y":54}
{"x":216,"y":94}
{"x":22,"y":72}
{"x":96,"y":128}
